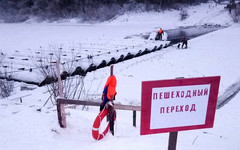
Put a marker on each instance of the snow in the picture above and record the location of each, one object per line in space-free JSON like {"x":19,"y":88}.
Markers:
{"x":22,"y":127}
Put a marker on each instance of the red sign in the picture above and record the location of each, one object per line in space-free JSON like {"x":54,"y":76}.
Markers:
{"x":179,"y":104}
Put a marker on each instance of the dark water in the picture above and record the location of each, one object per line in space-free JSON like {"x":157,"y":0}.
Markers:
{"x":176,"y":35}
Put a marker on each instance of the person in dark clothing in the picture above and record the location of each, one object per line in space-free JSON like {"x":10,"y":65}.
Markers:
{"x":159,"y":34}
{"x":184,"y":42}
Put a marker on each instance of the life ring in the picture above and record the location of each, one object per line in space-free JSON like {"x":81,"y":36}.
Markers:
{"x":95,"y":130}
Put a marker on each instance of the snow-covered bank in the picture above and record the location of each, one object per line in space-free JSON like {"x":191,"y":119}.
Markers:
{"x":22,"y":127}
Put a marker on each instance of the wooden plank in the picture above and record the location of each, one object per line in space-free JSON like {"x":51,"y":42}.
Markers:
{"x":78,"y":102}
{"x":127,"y":107}
{"x":93,"y":103}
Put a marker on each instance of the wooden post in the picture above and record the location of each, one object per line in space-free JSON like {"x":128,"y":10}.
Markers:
{"x":111,"y":70}
{"x":134,"y":118}
{"x":111,"y":73}
{"x":60,"y":107}
{"x":172,"y":143}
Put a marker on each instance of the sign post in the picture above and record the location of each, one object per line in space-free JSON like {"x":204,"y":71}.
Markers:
{"x":177,"y":105}
{"x":172,"y":142}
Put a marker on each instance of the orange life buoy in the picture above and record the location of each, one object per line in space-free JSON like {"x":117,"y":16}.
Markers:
{"x":95,"y":130}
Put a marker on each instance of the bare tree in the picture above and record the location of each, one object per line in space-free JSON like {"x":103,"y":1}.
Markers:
{"x":73,"y":85}
{"x":6,"y":86}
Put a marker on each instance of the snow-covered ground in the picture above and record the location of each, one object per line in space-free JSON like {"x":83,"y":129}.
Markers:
{"x":22,"y":127}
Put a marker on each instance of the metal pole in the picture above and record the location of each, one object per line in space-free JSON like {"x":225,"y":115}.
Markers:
{"x":172,"y":143}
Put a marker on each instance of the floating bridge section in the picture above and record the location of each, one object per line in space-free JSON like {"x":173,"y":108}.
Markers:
{"x":39,"y":67}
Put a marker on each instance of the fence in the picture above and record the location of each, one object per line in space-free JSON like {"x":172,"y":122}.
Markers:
{"x":62,"y":101}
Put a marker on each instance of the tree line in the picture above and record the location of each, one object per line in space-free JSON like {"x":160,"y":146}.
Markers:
{"x":85,"y":10}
